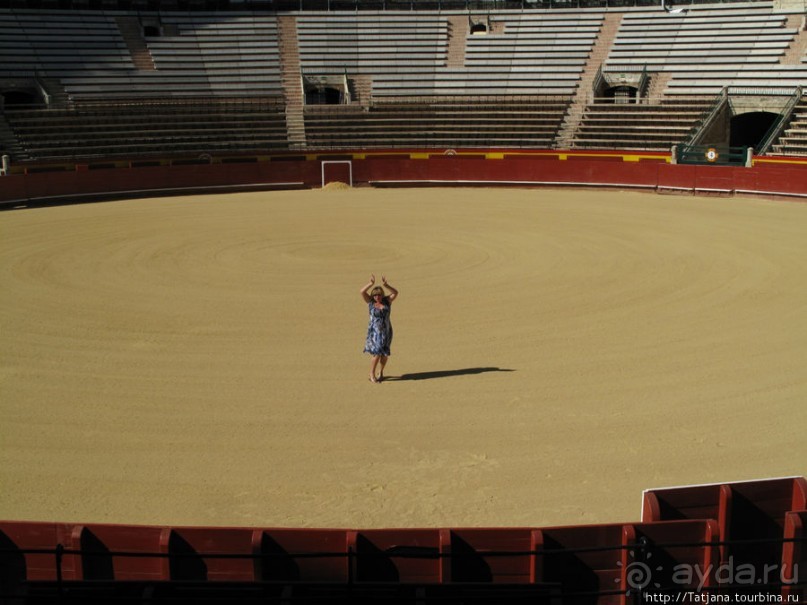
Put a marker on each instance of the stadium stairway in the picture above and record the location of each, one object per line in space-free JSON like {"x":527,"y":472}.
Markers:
{"x":290,"y":78}
{"x":793,"y":140}
{"x":608,"y":125}
{"x":598,"y":54}
{"x":132,"y":33}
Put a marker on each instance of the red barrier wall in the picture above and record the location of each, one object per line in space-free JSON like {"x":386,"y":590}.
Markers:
{"x":411,"y":168}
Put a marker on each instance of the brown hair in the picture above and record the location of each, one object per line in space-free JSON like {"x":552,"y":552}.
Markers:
{"x":377,"y":290}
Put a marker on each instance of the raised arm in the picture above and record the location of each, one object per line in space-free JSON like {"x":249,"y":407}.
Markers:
{"x":393,"y":292}
{"x":366,"y":288}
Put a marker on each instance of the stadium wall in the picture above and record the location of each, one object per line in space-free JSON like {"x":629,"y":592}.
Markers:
{"x":767,"y":176}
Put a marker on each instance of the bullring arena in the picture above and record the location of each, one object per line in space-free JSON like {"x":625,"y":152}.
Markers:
{"x":198,"y":360}
{"x":595,"y":218}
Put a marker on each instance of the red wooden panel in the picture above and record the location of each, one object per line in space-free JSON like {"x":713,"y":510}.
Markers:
{"x":130,"y":539}
{"x":794,"y":556}
{"x":398,"y":555}
{"x":695,"y":502}
{"x":280,"y":544}
{"x":583,"y":559}
{"x":468,"y":561}
{"x":530,"y":168}
{"x":676,"y":176}
{"x":35,"y":536}
{"x":663,"y":547}
{"x":216,"y":541}
{"x":772,"y":498}
{"x":12,"y":187}
{"x":715,"y":177}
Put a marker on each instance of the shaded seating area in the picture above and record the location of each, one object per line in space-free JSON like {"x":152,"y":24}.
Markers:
{"x":438,"y":122}
{"x":213,"y":83}
{"x":372,"y":43}
{"x":60,"y":43}
{"x":228,"y":55}
{"x":109,"y":129}
{"x":199,"y":54}
{"x":528,"y":54}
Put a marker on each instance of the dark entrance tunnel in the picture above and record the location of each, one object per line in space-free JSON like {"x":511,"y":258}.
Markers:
{"x":748,"y":129}
{"x":19,"y":97}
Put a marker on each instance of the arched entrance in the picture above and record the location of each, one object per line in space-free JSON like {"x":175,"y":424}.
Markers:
{"x":748,"y":129}
{"x":19,"y":97}
{"x":323,"y":96}
{"x":621,"y":95}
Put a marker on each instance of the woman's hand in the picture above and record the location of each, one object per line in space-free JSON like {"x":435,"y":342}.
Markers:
{"x":364,"y":295}
{"x":393,"y":292}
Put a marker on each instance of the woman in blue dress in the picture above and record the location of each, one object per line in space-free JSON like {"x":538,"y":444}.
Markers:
{"x":379,"y":332}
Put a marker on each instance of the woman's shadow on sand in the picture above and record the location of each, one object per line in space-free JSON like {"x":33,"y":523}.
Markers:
{"x":444,"y":373}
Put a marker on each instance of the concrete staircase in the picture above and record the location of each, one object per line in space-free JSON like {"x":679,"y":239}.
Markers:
{"x":132,"y":33}
{"x":457,"y":33}
{"x":57,"y":95}
{"x":597,"y":57}
{"x":798,"y":47}
{"x":658,"y":84}
{"x":290,"y":77}
{"x":361,"y":89}
{"x":793,"y":140}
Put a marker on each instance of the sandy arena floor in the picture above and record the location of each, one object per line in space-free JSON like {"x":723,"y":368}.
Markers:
{"x":198,"y":360}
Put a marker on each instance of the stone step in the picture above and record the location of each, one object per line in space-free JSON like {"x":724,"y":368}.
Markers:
{"x":290,"y":79}
{"x":132,"y":32}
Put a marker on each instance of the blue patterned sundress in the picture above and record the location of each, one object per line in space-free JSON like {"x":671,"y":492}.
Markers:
{"x":379,"y":332}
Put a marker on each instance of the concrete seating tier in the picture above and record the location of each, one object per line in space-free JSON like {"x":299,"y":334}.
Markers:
{"x":516,"y":81}
{"x":723,"y":39}
{"x":437,"y":124}
{"x":632,"y":126}
{"x":215,"y":39}
{"x":705,"y":80}
{"x":218,"y":53}
{"x":212,"y":54}
{"x":534,"y":54}
{"x":371,"y":43}
{"x":48,"y":42}
{"x":535,"y":46}
{"x":109,"y":130}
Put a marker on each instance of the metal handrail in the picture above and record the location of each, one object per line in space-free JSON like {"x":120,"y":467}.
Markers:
{"x":779,"y":124}
{"x":598,"y":80}
{"x":709,"y":116}
{"x":644,"y":81}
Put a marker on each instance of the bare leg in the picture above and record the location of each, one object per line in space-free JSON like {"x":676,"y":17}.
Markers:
{"x":384,"y":359}
{"x":373,"y":367}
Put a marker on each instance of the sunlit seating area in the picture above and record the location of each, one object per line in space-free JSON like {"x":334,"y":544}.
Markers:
{"x":639,"y":126}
